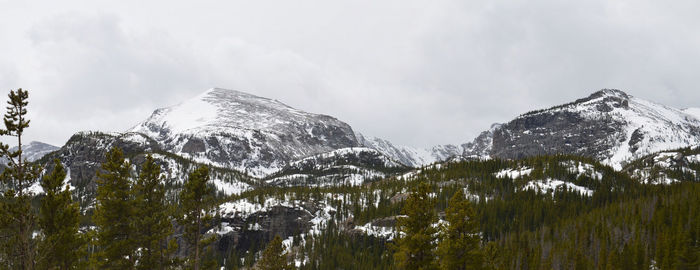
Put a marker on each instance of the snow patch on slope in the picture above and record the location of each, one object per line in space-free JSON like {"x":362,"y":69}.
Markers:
{"x":190,"y":114}
{"x":551,"y":185}
{"x":513,"y":173}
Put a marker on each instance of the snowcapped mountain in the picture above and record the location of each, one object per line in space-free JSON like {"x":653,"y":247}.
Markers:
{"x":36,"y":150}
{"x":33,"y":151}
{"x":237,"y":130}
{"x":608,"y":125}
{"x":241,"y":131}
{"x":409,"y":156}
{"x":480,"y":147}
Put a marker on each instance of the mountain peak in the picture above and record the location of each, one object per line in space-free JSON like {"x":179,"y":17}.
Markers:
{"x":218,"y":108}
{"x":610,"y":93}
{"x":604,"y":95}
{"x":232,"y":94}
{"x":238,"y":130}
{"x":608,"y":125}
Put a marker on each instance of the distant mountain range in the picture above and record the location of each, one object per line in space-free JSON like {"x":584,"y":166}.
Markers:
{"x":263,"y":137}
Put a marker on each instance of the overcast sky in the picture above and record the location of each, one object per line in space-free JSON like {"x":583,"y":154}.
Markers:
{"x":418,"y":73}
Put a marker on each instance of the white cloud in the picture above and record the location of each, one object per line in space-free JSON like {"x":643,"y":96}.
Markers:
{"x":414,"y":73}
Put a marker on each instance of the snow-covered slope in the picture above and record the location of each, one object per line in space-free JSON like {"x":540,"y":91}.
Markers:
{"x":236,"y":130}
{"x":695,"y":112}
{"x":609,"y":125}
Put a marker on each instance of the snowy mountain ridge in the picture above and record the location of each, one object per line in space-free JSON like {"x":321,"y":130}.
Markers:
{"x":260,"y":136}
{"x":407,"y":155}
{"x":33,"y":151}
{"x":236,"y":130}
{"x":608,"y":125}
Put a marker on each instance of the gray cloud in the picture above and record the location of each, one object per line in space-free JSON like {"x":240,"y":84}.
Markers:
{"x":415,"y":73}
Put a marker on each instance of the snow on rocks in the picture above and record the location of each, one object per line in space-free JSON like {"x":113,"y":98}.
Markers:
{"x":514,"y":173}
{"x":234,"y":188}
{"x":663,"y":167}
{"x":377,"y":231}
{"x":551,"y":185}
{"x":580,"y":168}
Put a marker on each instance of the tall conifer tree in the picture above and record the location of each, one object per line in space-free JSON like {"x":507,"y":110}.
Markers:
{"x":153,"y":220}
{"x":459,"y":238}
{"x":59,"y":220}
{"x":196,"y":201}
{"x":114,"y":214}
{"x":415,"y":243}
{"x":17,"y":217}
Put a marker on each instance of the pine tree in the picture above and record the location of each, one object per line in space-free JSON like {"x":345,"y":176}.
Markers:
{"x":17,"y":217}
{"x":153,"y":220}
{"x":492,"y":259}
{"x":59,"y":220}
{"x":114,"y":214}
{"x":274,"y":257}
{"x":459,"y":238}
{"x":415,"y":247}
{"x":196,"y":203}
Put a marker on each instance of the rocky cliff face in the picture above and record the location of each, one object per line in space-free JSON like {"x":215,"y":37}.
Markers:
{"x":482,"y":144}
{"x":608,"y":125}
